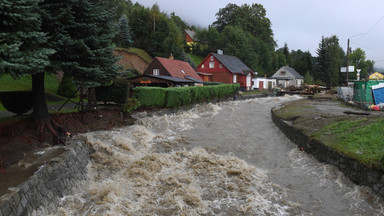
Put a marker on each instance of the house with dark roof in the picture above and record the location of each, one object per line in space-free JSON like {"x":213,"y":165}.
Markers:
{"x":287,"y":76}
{"x":226,"y":69}
{"x":167,"y":72}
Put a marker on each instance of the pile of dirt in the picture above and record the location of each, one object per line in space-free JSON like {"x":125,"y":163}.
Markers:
{"x":18,"y":137}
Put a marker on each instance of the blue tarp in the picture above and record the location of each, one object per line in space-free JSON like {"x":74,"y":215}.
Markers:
{"x":378,"y":95}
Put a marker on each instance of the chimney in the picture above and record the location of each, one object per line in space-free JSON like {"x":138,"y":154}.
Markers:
{"x":220,"y":52}
{"x":171,"y":56}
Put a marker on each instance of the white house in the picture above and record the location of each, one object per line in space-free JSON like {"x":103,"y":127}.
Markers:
{"x":263,"y":83}
{"x":287,"y":76}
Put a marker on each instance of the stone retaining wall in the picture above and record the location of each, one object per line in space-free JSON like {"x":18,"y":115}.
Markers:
{"x":53,"y":180}
{"x":355,"y":171}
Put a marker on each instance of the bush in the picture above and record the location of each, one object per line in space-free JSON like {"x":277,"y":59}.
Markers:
{"x":177,"y":97}
{"x":150,"y":96}
{"x":117,"y":92}
{"x":181,"y":96}
{"x":131,"y":105}
{"x":67,"y":88}
{"x":18,"y":102}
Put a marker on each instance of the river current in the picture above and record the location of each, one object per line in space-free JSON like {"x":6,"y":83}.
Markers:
{"x":214,"y":159}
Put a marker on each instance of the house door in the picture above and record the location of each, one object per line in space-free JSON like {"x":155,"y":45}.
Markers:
{"x":261,"y":85}
{"x":269,"y":85}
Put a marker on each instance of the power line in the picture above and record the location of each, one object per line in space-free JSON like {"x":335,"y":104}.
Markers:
{"x":371,"y":28}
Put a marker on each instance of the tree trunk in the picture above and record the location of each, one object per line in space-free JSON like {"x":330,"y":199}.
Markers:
{"x":40,"y":112}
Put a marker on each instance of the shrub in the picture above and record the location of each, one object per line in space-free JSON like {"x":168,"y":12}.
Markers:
{"x":67,"y":88}
{"x":177,"y":97}
{"x":117,"y":92}
{"x":18,"y":102}
{"x":131,"y":105}
{"x":150,"y":96}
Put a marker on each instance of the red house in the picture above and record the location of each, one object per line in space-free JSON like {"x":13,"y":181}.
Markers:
{"x":225,"y":69}
{"x":166,"y":68}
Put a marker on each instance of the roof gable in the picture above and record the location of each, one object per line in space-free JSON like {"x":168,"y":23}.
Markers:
{"x":232,"y":63}
{"x":290,"y":72}
{"x":191,"y":34}
{"x":178,"y":68}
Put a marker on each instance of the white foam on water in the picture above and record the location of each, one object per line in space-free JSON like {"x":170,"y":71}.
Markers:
{"x":129,"y":175}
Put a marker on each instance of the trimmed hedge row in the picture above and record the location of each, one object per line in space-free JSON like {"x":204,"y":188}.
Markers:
{"x":176,"y":97}
{"x":150,"y":96}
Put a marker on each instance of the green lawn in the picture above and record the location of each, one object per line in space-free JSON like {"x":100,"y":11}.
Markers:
{"x":7,"y":83}
{"x":196,"y":59}
{"x":360,"y":139}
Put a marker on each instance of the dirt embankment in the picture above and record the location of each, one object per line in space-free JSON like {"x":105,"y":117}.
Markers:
{"x":131,"y":61}
{"x":17,"y":137}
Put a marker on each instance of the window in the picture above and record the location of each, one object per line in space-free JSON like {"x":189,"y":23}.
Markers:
{"x":182,"y":71}
{"x":282,"y":73}
{"x":221,"y":66}
{"x":211,"y":64}
{"x":202,"y":66}
{"x":234,"y":78}
{"x":156,"y":72}
{"x":211,"y":58}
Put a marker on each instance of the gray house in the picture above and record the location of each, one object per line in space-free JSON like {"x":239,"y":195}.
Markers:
{"x":287,"y":76}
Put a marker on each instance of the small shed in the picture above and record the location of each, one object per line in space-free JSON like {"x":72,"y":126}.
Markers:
{"x":161,"y":81}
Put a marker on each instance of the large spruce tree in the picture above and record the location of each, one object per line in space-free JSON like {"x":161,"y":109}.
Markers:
{"x":23,"y":51}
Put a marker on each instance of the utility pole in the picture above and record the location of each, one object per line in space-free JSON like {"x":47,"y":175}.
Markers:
{"x":347,"y":60}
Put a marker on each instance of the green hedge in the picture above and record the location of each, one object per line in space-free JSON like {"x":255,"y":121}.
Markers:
{"x":150,"y":96}
{"x":181,"y":96}
{"x":118,"y":92}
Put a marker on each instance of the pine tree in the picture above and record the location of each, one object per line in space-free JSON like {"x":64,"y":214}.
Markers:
{"x":124,"y":38}
{"x":23,"y":52}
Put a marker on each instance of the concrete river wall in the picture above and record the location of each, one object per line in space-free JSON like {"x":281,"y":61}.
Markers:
{"x":357,"y":172}
{"x":55,"y":179}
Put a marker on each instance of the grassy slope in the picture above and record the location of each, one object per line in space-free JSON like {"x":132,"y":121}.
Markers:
{"x":196,"y":59}
{"x":142,"y":53}
{"x":358,"y":137}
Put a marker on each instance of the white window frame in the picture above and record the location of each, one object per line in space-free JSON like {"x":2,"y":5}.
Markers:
{"x":234,"y":78}
{"x":221,"y":66}
{"x":211,"y":64}
{"x":202,"y":66}
{"x":211,"y":58}
{"x":156,"y":72}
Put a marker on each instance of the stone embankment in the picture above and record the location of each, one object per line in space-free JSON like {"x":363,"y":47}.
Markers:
{"x":355,"y":171}
{"x":55,"y":179}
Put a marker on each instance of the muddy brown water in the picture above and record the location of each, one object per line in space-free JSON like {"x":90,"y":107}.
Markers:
{"x":215,"y":159}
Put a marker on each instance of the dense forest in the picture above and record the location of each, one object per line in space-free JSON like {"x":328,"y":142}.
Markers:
{"x":243,"y":31}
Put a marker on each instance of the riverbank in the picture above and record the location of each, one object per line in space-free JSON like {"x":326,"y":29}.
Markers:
{"x":317,"y":126}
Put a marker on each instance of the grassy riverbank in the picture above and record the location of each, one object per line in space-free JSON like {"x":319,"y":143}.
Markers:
{"x":357,"y":136}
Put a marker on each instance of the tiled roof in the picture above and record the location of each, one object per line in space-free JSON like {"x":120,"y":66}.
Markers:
{"x":178,"y":68}
{"x":233,"y":64}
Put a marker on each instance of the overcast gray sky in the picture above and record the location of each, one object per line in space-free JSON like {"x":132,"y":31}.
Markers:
{"x":301,"y":23}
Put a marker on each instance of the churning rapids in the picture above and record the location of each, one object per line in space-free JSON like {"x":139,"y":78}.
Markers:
{"x":214,"y":159}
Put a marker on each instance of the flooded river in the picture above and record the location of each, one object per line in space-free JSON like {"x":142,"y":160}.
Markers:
{"x":215,"y":159}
